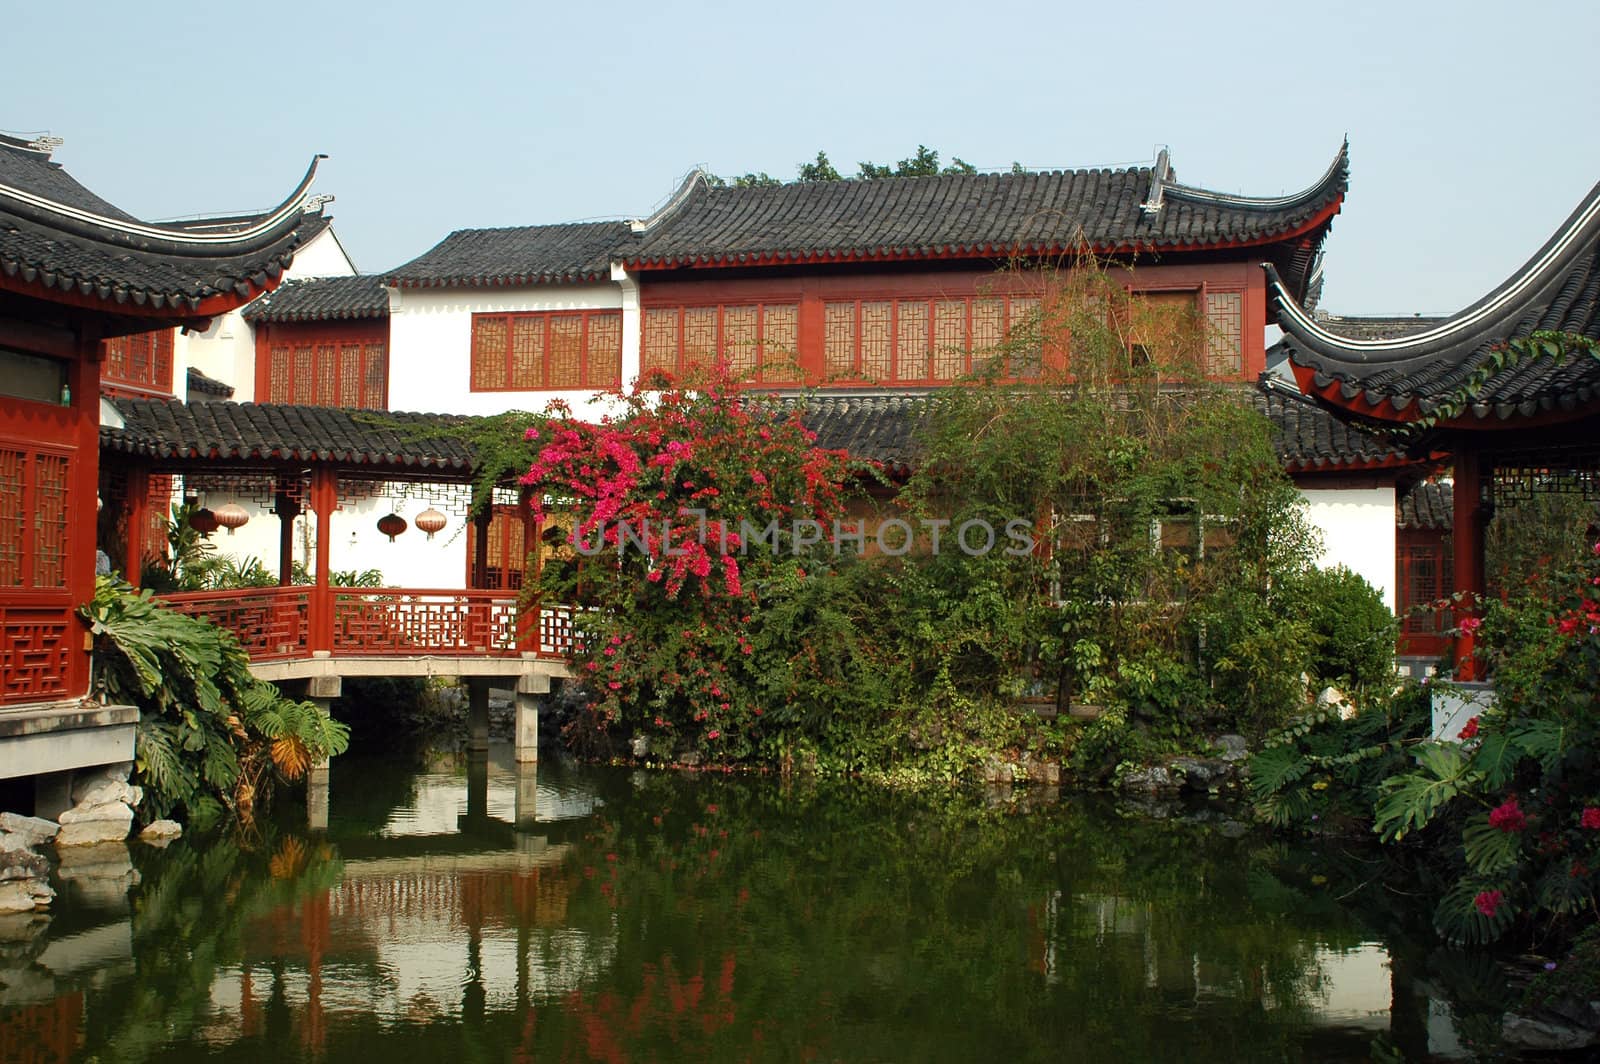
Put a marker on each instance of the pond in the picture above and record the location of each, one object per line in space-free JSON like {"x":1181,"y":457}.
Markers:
{"x":460,"y":909}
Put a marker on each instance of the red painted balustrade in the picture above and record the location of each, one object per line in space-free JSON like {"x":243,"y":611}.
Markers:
{"x":278,"y":623}
{"x":271,"y":623}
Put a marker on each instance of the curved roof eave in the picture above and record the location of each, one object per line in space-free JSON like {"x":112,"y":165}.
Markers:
{"x":262,"y":232}
{"x":1493,"y":314}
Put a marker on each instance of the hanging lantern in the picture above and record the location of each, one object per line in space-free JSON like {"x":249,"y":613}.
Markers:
{"x":203,"y":521}
{"x":231,"y":516}
{"x":431,"y":521}
{"x":391,"y":525}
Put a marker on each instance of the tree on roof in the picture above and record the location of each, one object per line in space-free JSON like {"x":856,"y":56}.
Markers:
{"x":924,"y":163}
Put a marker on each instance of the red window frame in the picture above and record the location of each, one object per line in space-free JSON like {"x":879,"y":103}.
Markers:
{"x":323,"y":365}
{"x":524,"y":356}
{"x":759,"y":340}
{"x":139,"y":364}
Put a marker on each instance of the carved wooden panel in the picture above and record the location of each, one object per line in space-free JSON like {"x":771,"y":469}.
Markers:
{"x":35,"y":653}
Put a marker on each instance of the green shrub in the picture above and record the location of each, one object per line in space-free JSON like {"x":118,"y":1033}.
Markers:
{"x":1353,"y":633}
{"x":210,"y":735}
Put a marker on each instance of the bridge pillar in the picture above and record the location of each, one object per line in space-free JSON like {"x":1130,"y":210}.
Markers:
{"x":527,"y":807}
{"x":317,"y":796}
{"x":477,"y":714}
{"x":526,"y":728}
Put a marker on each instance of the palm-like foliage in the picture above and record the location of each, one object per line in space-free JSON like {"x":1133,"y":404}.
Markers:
{"x":210,"y":735}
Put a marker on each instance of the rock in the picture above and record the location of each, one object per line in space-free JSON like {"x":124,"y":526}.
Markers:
{"x":34,"y":830}
{"x":22,"y":864}
{"x":89,"y":832}
{"x":1527,"y":1032}
{"x":641,"y":746}
{"x":161,"y":829}
{"x":1234,"y":747}
{"x":1233,"y":829}
{"x":105,"y":792}
{"x":690,"y":759}
{"x":1051,"y":776}
{"x":1197,"y":774}
{"x":1332,"y":697}
{"x":18,"y":896}
{"x":994,"y":770}
{"x":1152,"y":779}
{"x":110,"y":812}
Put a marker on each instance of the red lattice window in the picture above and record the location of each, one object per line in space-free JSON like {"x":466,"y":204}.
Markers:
{"x":758,"y":341}
{"x":508,"y":553}
{"x":920,"y":341}
{"x":142,"y":362}
{"x":1424,"y":577}
{"x":546,"y":350}
{"x":351,"y":373}
{"x":34,"y":506}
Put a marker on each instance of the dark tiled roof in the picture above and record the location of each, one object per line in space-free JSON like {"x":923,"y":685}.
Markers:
{"x":1558,"y":289}
{"x":978,"y":215}
{"x":876,"y":428}
{"x":530,"y":254}
{"x":206,"y":388}
{"x":1375,"y":327}
{"x":1306,"y":437}
{"x":56,"y":236}
{"x":1428,"y":506}
{"x":169,"y":429}
{"x":322,"y":299}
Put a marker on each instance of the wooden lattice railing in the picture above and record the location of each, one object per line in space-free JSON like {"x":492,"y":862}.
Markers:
{"x":278,"y":623}
{"x":271,"y":623}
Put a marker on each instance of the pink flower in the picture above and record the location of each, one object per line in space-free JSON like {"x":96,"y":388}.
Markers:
{"x":1471,"y":729}
{"x":1470,"y":625}
{"x":614,"y":685}
{"x":713,"y":734}
{"x":1507,"y":817}
{"x":1488,"y":902}
{"x":1590,"y":818}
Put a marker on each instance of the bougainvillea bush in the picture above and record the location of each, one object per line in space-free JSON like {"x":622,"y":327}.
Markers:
{"x":1508,"y":809}
{"x":682,"y":509}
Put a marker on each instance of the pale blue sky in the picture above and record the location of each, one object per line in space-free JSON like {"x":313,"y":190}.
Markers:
{"x":1474,"y":127}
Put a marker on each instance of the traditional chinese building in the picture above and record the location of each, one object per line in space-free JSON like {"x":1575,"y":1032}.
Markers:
{"x":88,"y":290}
{"x":1528,"y":425}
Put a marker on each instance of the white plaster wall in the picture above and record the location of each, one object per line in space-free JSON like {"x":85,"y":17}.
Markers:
{"x":1357,"y":525}
{"x":227,"y":350}
{"x":430,"y":343}
{"x":355,"y":543}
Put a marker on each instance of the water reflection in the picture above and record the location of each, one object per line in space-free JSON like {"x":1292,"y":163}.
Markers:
{"x":476,"y":906}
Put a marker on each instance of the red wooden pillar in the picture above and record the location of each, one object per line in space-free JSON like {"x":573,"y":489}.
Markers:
{"x":136,"y":502}
{"x":480,"y":545}
{"x":532,"y":551}
{"x":1467,"y":533}
{"x":324,"y":499}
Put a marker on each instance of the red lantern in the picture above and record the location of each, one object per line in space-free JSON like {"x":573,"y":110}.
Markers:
{"x":431,"y":521}
{"x":203,"y":521}
{"x":232,"y":516}
{"x":391,"y":525}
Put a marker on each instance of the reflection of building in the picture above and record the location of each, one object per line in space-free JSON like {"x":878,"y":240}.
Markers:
{"x":77,"y":273}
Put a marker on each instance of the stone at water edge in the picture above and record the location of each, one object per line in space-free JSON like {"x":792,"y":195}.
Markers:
{"x":30,"y":830}
{"x":24,"y":895}
{"x":1528,"y":1033}
{"x":111,"y":812}
{"x":161,"y":830}
{"x":641,"y":746}
{"x":1150,"y":780}
{"x":22,"y":864}
{"x":89,"y":832}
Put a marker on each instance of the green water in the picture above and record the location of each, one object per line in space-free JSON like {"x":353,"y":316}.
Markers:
{"x":461,"y":912}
